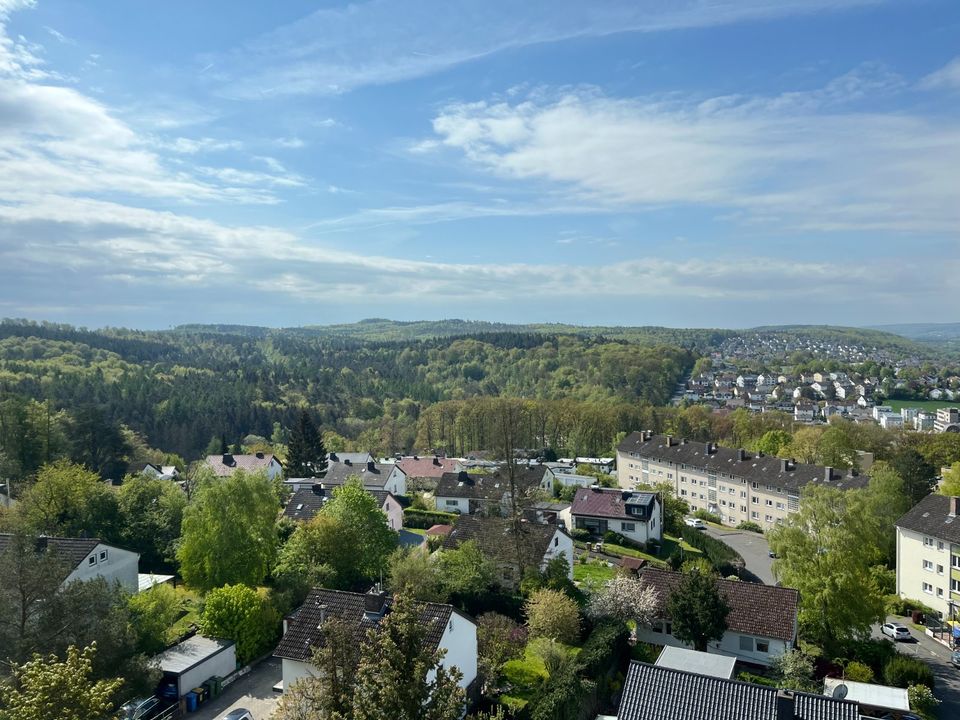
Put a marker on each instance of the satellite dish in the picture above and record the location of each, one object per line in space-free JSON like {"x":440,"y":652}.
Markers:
{"x":840,"y":691}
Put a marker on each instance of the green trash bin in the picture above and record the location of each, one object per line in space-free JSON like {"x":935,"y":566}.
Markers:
{"x":211,"y":687}
{"x":217,"y":684}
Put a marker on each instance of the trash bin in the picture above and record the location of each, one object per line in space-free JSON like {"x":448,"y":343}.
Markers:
{"x":210,"y":687}
{"x":217,"y":685}
{"x":201,"y":695}
{"x":191,"y":698}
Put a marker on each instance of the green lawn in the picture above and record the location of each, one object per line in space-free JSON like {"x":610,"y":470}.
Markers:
{"x":191,"y":613}
{"x":418,"y":531}
{"x":920,"y":404}
{"x":595,"y":571}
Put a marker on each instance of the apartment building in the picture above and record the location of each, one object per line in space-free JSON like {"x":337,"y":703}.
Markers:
{"x":736,"y":485}
{"x":928,"y":554}
{"x":947,"y":420}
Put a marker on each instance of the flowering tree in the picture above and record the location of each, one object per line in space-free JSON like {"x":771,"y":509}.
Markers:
{"x":624,"y":598}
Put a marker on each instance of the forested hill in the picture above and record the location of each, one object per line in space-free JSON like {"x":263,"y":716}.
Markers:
{"x":179,"y":389}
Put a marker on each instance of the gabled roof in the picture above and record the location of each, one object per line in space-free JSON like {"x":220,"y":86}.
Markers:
{"x":369,"y":473}
{"x":763,"y":610}
{"x":610,"y":503}
{"x":496,"y":539}
{"x":224,"y":465}
{"x":765,"y":469}
{"x":476,"y":486}
{"x":350,"y":458}
{"x":303,"y":626}
{"x":931,"y":516}
{"x":72,"y":551}
{"x":426,"y":467}
{"x":305,"y":503}
{"x":660,"y":693}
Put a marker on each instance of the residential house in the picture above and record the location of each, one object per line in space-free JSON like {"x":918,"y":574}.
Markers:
{"x":928,"y":554}
{"x":87,"y":558}
{"x":890,"y":421}
{"x":162,"y":472}
{"x":570,"y":479}
{"x":305,"y":503}
{"x":651,"y":692}
{"x":426,"y":471}
{"x":497,"y":538}
{"x":465,"y":493}
{"x":638,"y":516}
{"x":386,"y":476}
{"x":227,"y":464}
{"x":352,"y":458}
{"x":924,"y":421}
{"x":879,"y":410}
{"x":805,"y":413}
{"x":761,"y":626}
{"x":446,"y":629}
{"x":734,"y":484}
{"x":746,"y":380}
{"x":6,"y":497}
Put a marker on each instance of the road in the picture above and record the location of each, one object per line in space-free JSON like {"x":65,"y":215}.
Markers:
{"x":253,"y":691}
{"x":752,"y":546}
{"x":937,"y":656}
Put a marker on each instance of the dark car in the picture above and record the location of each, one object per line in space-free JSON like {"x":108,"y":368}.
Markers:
{"x":239,"y":714}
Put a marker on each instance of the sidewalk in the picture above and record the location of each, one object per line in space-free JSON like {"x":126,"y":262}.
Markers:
{"x":937,"y":656}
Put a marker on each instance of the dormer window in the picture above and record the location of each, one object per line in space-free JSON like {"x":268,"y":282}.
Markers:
{"x":92,"y":560}
{"x":103,"y":556}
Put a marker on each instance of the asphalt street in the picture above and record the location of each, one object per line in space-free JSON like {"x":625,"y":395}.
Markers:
{"x":254,"y":691}
{"x":754,"y":549}
{"x":937,"y":656}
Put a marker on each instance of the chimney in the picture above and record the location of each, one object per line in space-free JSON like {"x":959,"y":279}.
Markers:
{"x":828,"y":474}
{"x":260,"y":456}
{"x":954,"y":506}
{"x":374,"y":603}
{"x":416,"y":457}
{"x":683,"y":441}
{"x":371,"y":466}
{"x":227,"y":459}
{"x":669,"y":440}
{"x":784,"y":464}
{"x":463,"y":476}
{"x":436,"y":460}
{"x":41,"y":543}
{"x":317,"y":489}
{"x":332,"y":457}
{"x":741,"y":454}
{"x":707,"y":448}
{"x":322,"y":607}
{"x":347,"y":461}
{"x":785,"y":705}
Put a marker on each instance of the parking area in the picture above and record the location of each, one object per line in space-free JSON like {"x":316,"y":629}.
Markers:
{"x":254,"y":691}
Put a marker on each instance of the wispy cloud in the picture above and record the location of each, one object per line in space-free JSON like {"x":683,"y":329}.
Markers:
{"x":946,"y":77}
{"x":808,"y":160}
{"x":330,"y":52}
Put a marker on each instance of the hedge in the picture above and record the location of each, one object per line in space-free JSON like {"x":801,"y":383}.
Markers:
{"x":423,"y":519}
{"x":903,"y":671}
{"x":724,"y":558}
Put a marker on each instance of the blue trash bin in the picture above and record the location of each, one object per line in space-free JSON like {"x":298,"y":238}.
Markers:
{"x":191,"y":701}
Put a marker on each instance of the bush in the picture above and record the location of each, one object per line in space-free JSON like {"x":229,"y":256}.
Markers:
{"x":873,"y":652}
{"x":757,"y":679}
{"x":646,"y":652}
{"x":423,"y":519}
{"x":750,"y":525}
{"x":653,"y":547}
{"x":580,"y":534}
{"x":551,"y":614}
{"x":922,"y":701}
{"x":724,"y":558}
{"x":241,"y":614}
{"x":903,"y":671}
{"x":606,"y":645}
{"x":858,"y":672}
{"x":897,"y":605}
{"x":614,"y":537}
{"x":708,"y":516}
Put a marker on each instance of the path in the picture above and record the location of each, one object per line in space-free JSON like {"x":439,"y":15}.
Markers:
{"x":752,"y":546}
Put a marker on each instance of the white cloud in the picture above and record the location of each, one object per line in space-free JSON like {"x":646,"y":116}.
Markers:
{"x":946,"y":77}
{"x":804,"y":160}
{"x":191,"y":146}
{"x":330,"y":51}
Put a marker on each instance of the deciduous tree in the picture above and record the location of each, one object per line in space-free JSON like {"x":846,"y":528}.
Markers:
{"x":152,"y":511}
{"x":697,"y":610}
{"x":624,"y":598}
{"x":241,"y":614}
{"x":552,"y":614}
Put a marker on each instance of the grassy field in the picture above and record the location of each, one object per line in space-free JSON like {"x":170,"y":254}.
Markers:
{"x":919,"y":404}
{"x":594,"y":571}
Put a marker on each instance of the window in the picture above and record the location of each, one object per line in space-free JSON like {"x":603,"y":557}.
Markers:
{"x":92,"y":560}
{"x":940,"y":545}
{"x":743,"y":493}
{"x":769,"y":502}
{"x":683,"y":478}
{"x":955,"y":561}
{"x":103,"y":555}
{"x":451,"y":502}
{"x":628,"y":527}
{"x":928,"y":566}
{"x":657,"y":627}
{"x":955,"y":586}
{"x":669,"y":476}
{"x":781,"y":506}
{"x":683,"y":491}
{"x":928,"y":588}
{"x":755,"y":515}
{"x":733,"y":491}
{"x":723,"y":502}
{"x":669,"y":628}
{"x":754,"y":499}
{"x":939,"y":569}
{"x":743,"y":508}
{"x":746,"y":643}
{"x":768,"y":518}
{"x":763,"y":646}
{"x":556,"y":542}
{"x":928,"y":542}
{"x":939,"y":592}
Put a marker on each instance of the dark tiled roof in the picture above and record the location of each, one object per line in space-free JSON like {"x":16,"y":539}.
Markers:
{"x":931,"y":516}
{"x":223,"y":465}
{"x":764,"y":610}
{"x":764,"y":469}
{"x":495,"y":538}
{"x":426,"y":467}
{"x":369,"y":474}
{"x":658,"y":693}
{"x":358,"y":458}
{"x":302,"y":627}
{"x":477,"y":486}
{"x":611,"y":503}
{"x":73,"y":551}
{"x":306,"y":502}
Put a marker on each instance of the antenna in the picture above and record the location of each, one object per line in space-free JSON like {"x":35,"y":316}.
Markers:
{"x":840,"y":691}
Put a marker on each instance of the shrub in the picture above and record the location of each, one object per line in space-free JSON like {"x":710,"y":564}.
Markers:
{"x":606,"y":645}
{"x":708,"y":516}
{"x":724,"y":558}
{"x":552,"y":614}
{"x":897,"y":605}
{"x":580,"y":534}
{"x":757,"y":679}
{"x":750,"y":525}
{"x":645,"y":652}
{"x":903,"y":671}
{"x":423,"y":519}
{"x":922,"y":700}
{"x":614,"y":537}
{"x":858,"y":672}
{"x":241,"y":614}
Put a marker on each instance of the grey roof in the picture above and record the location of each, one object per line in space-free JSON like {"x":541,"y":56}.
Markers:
{"x":303,"y":627}
{"x":659,"y":693}
{"x":931,"y":516}
{"x":353,"y":458}
{"x":185,"y":655}
{"x":496,"y":538}
{"x":73,"y":550}
{"x":224,"y":465}
{"x":477,"y":486}
{"x":701,"y":663}
{"x":306,"y":502}
{"x":758,"y":468}
{"x":370,"y":473}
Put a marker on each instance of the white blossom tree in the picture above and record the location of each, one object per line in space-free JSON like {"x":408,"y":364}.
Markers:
{"x":624,"y":598}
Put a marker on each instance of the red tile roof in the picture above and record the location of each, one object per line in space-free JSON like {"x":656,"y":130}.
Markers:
{"x":224,"y":465}
{"x":610,"y":503}
{"x":427,"y":467}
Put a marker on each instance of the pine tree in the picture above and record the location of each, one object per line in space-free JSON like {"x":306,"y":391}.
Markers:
{"x":697,"y":610}
{"x":306,"y":455}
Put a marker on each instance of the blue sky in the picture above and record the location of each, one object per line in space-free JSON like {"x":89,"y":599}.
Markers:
{"x":652,"y":162}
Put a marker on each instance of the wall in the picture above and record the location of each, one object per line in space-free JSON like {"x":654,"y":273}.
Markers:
{"x":394,"y":513}
{"x":396,"y":482}
{"x":120,"y":565}
{"x":560,"y":544}
{"x":460,"y":642}
{"x":911,"y":552}
{"x":293,"y":670}
{"x":729,"y":645}
{"x":461,"y":505}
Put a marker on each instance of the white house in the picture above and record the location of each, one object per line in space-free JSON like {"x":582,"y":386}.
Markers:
{"x":162,"y":472}
{"x":464,"y":493}
{"x":928,"y":554}
{"x":806,"y":413}
{"x":570,"y":479}
{"x":227,"y":464}
{"x":87,"y":559}
{"x":385,"y":476}
{"x":637,"y":516}
{"x":761,"y":626}
{"x":306,"y":502}
{"x":447,"y":629}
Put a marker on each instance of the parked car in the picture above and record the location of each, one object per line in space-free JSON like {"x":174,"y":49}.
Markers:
{"x":955,"y":658}
{"x":896,"y":631}
{"x":239,"y":714}
{"x":141,"y":709}
{"x":695,"y":522}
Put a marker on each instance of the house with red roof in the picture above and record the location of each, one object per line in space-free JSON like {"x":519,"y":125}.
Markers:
{"x":228,"y":463}
{"x":638,"y":516}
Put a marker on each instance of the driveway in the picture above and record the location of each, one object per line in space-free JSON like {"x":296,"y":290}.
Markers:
{"x":253,"y":691}
{"x":754,"y":549}
{"x":937,"y":657}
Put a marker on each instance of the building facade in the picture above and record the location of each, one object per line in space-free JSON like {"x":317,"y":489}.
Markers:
{"x":928,"y":554}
